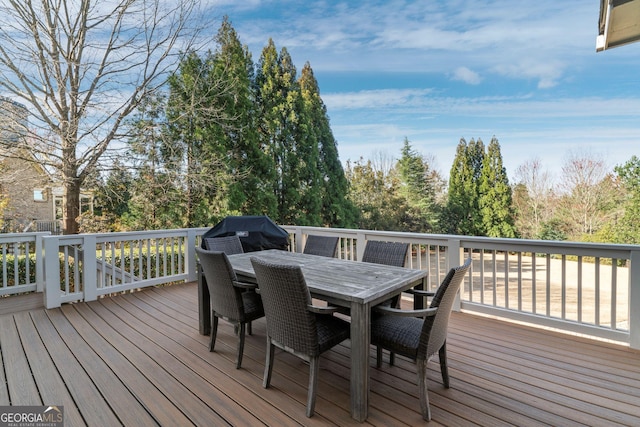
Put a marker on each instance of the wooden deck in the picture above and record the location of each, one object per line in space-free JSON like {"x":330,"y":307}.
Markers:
{"x":138,"y":360}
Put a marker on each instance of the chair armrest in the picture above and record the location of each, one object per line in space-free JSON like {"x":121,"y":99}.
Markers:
{"x":244,"y":285}
{"x":420,"y":292}
{"x":425,"y":312}
{"x":322,"y":310}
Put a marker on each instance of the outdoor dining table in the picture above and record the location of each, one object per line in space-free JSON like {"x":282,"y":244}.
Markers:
{"x":355,"y":285}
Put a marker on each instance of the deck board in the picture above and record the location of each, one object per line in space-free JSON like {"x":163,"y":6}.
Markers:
{"x":82,"y":389}
{"x":50,"y":385}
{"x":138,"y":360}
{"x":20,"y":383}
{"x":123,"y":370}
{"x":241,"y":385}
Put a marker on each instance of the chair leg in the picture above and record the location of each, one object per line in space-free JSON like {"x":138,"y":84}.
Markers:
{"x":214,"y":332}
{"x":240,"y":345}
{"x":314,"y":367}
{"x":424,"y":393}
{"x":444,"y":369}
{"x":392,"y":357}
{"x":268,"y":365}
{"x":249,"y":330}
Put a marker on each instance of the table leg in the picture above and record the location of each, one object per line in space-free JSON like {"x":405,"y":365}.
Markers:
{"x":418,"y":302}
{"x":360,"y":341}
{"x":204,"y":304}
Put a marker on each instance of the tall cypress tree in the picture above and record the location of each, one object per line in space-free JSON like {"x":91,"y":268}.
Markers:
{"x":462,"y":211}
{"x":328,"y":193}
{"x":307,"y":141}
{"x":290,"y":141}
{"x":280,"y":107}
{"x":475,"y":159}
{"x":495,"y":201}
{"x":237,"y":137}
{"x":268,"y":98}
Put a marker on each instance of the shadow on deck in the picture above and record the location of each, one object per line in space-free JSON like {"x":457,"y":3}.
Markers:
{"x":138,"y":359}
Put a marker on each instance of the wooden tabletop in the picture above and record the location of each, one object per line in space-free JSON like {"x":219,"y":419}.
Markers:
{"x":338,"y":279}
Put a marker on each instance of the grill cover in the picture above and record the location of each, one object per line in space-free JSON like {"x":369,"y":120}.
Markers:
{"x":256,"y":233}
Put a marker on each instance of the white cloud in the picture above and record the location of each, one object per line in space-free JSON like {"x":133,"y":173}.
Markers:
{"x":428,"y":103}
{"x":466,"y":75}
{"x":374,"y":99}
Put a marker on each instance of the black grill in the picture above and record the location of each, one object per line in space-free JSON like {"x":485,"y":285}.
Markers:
{"x":256,"y":233}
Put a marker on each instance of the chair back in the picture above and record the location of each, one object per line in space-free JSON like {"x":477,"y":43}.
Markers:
{"x":228,"y":244}
{"x":285,"y":298}
{"x":226,"y":299}
{"x":388,"y":253}
{"x":321,"y":245}
{"x":434,"y":329}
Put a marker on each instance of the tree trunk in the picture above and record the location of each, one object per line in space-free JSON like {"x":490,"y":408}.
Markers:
{"x":71,"y":206}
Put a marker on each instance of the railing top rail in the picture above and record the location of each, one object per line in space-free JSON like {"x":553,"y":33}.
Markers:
{"x":550,"y":246}
{"x":130,"y":235}
{"x":22,"y":237}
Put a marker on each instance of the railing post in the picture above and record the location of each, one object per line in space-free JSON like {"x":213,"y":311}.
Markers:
{"x":298,"y":239}
{"x":634,"y":301}
{"x":51,"y":272}
{"x":39,"y":251}
{"x":361,"y":242}
{"x":89,"y":267}
{"x":456,"y":255}
{"x":190,"y":252}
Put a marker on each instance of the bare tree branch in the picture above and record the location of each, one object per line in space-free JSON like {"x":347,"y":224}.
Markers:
{"x":81,"y":68}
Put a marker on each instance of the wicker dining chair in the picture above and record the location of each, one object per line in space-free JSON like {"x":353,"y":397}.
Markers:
{"x":321,"y":245}
{"x":228,"y":244}
{"x":419,"y":334}
{"x":387,"y":253}
{"x":293,"y":323}
{"x":231,"y":300}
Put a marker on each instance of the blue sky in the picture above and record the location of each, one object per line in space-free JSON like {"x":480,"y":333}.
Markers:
{"x":525,"y":72}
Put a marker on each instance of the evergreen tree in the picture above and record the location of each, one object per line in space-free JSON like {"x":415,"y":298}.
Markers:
{"x":495,"y":201}
{"x":456,"y":200}
{"x":463,"y":211}
{"x":192,"y":156}
{"x":154,"y":201}
{"x":279,"y":106}
{"x":328,"y":184}
{"x":309,"y":209}
{"x":420,"y":185}
{"x":229,"y":141}
{"x":237,"y":137}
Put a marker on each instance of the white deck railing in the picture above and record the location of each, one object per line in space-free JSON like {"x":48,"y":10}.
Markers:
{"x":22,"y":263}
{"x":94,"y":265}
{"x":585,"y":288}
{"x":578,"y":287}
